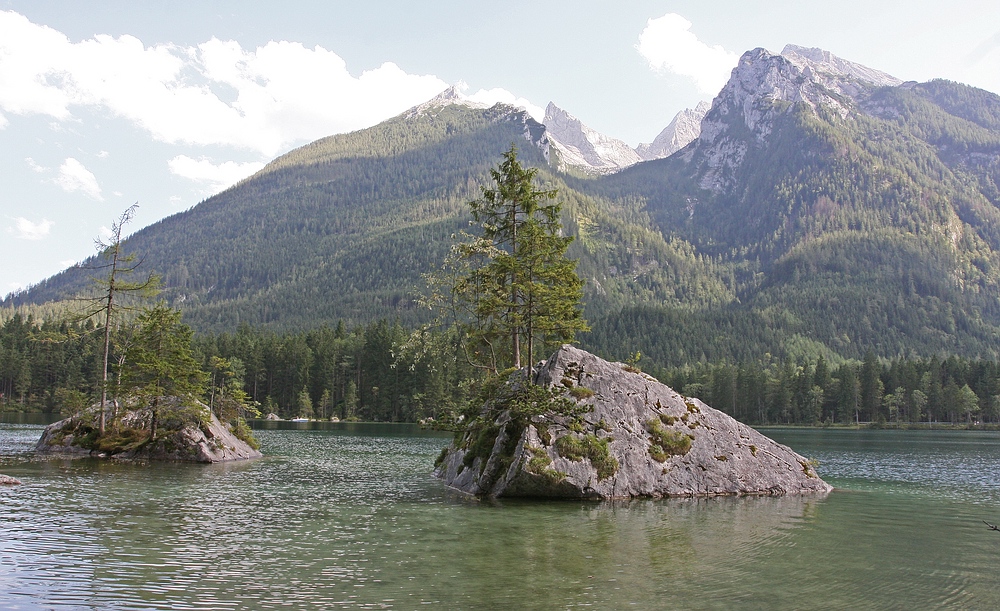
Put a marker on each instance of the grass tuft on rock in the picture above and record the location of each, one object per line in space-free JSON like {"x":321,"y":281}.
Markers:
{"x":539,"y":465}
{"x":593,"y":449}
{"x":665,"y":443}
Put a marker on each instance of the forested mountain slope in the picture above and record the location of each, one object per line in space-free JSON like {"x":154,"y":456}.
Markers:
{"x":849,"y":215}
{"x":343,"y":228}
{"x":824,"y":209}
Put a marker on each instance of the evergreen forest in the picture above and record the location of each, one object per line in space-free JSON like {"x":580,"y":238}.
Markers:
{"x":841,"y":267}
{"x":383,"y":372}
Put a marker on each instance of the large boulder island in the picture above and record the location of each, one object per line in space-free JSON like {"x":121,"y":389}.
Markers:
{"x":628,"y":436}
{"x":185,"y":433}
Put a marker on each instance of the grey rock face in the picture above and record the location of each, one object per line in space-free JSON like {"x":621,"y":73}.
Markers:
{"x":825,"y":62}
{"x":657,"y":444}
{"x":682,"y":130}
{"x":764,"y":85}
{"x":190,"y":444}
{"x":583,"y":148}
{"x":6,"y":480}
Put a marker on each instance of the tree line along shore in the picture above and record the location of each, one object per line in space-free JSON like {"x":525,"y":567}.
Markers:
{"x":386,"y":372}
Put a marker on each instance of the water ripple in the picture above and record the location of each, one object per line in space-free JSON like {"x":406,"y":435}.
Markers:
{"x":351,"y":518}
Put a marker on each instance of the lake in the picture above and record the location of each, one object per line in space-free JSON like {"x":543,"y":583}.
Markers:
{"x":346,"y":515}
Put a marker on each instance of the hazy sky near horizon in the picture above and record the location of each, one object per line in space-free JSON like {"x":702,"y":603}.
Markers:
{"x":165,"y":103}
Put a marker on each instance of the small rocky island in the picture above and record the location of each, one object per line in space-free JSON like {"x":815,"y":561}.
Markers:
{"x":629,"y":436}
{"x":196,"y":436}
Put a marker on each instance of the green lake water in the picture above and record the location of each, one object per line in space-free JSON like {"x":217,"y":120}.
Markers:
{"x":348,"y":516}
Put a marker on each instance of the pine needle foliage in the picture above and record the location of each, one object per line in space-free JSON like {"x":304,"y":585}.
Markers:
{"x":512,"y":288}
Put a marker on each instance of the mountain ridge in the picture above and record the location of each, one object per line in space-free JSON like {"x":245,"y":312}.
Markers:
{"x":825,"y":208}
{"x":683,"y":129}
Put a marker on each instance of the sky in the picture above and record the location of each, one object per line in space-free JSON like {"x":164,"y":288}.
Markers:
{"x":165,"y":103}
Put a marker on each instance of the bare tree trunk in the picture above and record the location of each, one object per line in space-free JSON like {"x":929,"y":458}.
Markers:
{"x":513,"y":289}
{"x":114,"y":247}
{"x":109,"y":309}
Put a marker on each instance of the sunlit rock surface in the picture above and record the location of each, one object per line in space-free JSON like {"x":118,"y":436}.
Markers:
{"x":765,"y":85}
{"x":681,"y":131}
{"x":630,"y":415}
{"x":582,"y":148}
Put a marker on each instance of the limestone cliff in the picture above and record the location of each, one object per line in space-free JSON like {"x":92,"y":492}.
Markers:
{"x":681,"y":131}
{"x":635,"y":438}
{"x":582,"y":148}
{"x":764,"y":85}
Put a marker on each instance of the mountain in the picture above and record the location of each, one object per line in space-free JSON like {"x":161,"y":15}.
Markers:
{"x":579,"y":147}
{"x":343,"y":228}
{"x":824,"y":208}
{"x":850,"y":210}
{"x":338,"y":229}
{"x":681,"y":131}
{"x":765,"y":88}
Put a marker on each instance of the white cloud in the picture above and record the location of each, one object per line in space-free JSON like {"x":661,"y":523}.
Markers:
{"x":67,"y":263}
{"x":217,"y":176}
{"x":27,"y":230}
{"x":103,"y":155}
{"x":217,"y":93}
{"x":3,"y":121}
{"x":982,"y":68}
{"x":74,"y":177}
{"x":34,"y":166}
{"x":29,"y":82}
{"x":493,"y":96}
{"x":668,"y":44}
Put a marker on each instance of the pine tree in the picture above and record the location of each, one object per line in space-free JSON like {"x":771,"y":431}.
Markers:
{"x":871,"y":386}
{"x":162,"y":362}
{"x":113,"y":287}
{"x":513,"y":286}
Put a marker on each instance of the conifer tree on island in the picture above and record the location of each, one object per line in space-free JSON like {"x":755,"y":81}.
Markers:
{"x":113,"y":287}
{"x":160,"y":382}
{"x":163,"y":362}
{"x":513,"y":292}
{"x":512,"y":288}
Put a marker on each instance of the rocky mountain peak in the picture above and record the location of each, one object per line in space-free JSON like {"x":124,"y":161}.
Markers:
{"x":812,"y":76}
{"x":682,"y":130}
{"x":764,"y":84}
{"x":822,"y":61}
{"x":450,"y":96}
{"x":582,"y":148}
{"x":534,"y":132}
{"x":577,"y":146}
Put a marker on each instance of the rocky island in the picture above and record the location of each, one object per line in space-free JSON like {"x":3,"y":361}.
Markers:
{"x":630,"y":436}
{"x":200,"y":438}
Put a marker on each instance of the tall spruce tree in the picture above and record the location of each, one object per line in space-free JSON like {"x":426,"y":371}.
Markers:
{"x":514,"y":283}
{"x":113,"y":287}
{"x":163,"y":364}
